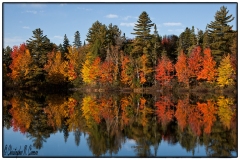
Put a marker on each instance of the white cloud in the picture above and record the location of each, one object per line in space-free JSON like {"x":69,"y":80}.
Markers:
{"x":57,"y":37}
{"x":86,"y":9}
{"x":34,"y":5}
{"x":34,"y":12}
{"x":26,"y":27}
{"x":175,"y":30}
{"x":112,"y":16}
{"x":13,"y":41}
{"x":128,"y":17}
{"x":127,"y":24}
{"x":38,"y":5}
{"x":179,"y":30}
{"x":172,"y":24}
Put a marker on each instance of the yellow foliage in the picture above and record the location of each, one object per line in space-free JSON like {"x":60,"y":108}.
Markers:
{"x":225,"y":111}
{"x":225,"y":72}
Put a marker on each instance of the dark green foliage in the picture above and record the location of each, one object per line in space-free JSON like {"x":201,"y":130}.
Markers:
{"x":113,"y":33}
{"x":65,"y":44}
{"x":143,"y":27}
{"x":169,"y":47}
{"x":205,"y":43}
{"x":39,"y":46}
{"x":187,"y":40}
{"x":200,"y":37}
{"x":96,"y":36}
{"x":77,"y":42}
{"x":6,"y":57}
{"x":61,"y":49}
{"x":220,"y":34}
{"x":156,"y":41}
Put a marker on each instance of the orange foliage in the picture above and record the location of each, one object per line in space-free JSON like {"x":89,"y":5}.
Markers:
{"x":208,"y":110}
{"x":164,"y":70}
{"x":125,"y":78}
{"x":194,"y":62}
{"x":106,"y":72}
{"x":142,"y":102}
{"x":164,"y":111}
{"x":195,"y":119}
{"x":21,"y":60}
{"x":95,"y":69}
{"x":182,"y":71}
{"x":181,"y":113}
{"x":208,"y":72}
{"x":21,"y":116}
{"x":142,"y":77}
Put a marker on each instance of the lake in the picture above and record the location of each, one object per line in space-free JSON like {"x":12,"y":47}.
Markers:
{"x":119,"y":125}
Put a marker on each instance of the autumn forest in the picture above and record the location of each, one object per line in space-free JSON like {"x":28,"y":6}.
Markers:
{"x":152,"y":88}
{"x":111,"y":60}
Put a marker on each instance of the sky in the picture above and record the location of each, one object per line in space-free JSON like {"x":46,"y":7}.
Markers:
{"x":58,"y":18}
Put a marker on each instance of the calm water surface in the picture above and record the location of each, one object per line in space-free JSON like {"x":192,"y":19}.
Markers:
{"x":123,"y":125}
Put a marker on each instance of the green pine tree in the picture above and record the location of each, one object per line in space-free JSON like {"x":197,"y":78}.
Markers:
{"x":220,"y":34}
{"x":65,"y":44}
{"x":143,"y":27}
{"x":77,"y":42}
{"x":39,"y":46}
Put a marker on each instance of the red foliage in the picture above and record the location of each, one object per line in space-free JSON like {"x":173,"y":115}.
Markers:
{"x":208,"y":72}
{"x":182,"y":70}
{"x":164,"y":111}
{"x":194,"y":62}
{"x":164,"y":70}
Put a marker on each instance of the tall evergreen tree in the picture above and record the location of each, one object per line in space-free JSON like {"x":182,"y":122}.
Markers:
{"x":113,"y":33}
{"x":199,"y":37}
{"x":6,"y":57}
{"x":156,"y":46}
{"x":77,"y":42}
{"x":220,"y":34}
{"x":60,"y":48}
{"x":143,"y":27}
{"x":65,"y":44}
{"x":96,"y":37}
{"x":143,"y":43}
{"x":205,"y":43}
{"x":39,"y":46}
{"x":187,"y":40}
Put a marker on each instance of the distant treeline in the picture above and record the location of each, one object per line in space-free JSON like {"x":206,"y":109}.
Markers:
{"x":111,"y":59}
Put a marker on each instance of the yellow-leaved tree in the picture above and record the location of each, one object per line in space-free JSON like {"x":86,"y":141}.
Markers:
{"x":225,"y":72}
{"x":86,"y":68}
{"x":225,"y":110}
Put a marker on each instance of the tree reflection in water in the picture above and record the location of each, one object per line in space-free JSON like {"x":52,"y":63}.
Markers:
{"x":109,"y":120}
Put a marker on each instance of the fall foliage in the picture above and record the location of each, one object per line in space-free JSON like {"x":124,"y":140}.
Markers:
{"x":208,"y":71}
{"x":225,"y":72}
{"x":182,"y":70}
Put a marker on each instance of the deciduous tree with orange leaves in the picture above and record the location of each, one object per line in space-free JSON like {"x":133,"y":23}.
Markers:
{"x":164,"y":70}
{"x":182,"y":70}
{"x":195,"y":62}
{"x":21,"y":61}
{"x":208,"y":71}
{"x":106,"y":72}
